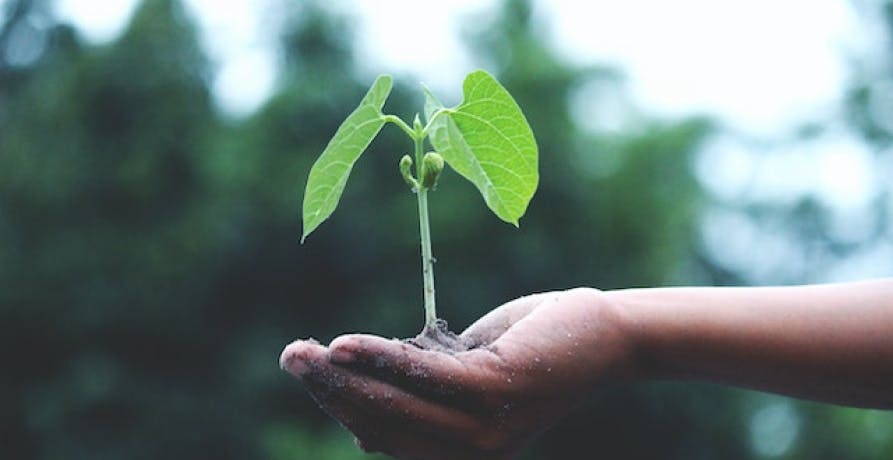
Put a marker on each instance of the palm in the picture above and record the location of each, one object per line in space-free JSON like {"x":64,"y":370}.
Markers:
{"x":532,"y":360}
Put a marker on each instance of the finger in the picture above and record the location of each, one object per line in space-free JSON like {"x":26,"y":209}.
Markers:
{"x":454,"y":379}
{"x":366,"y":427}
{"x":380,"y":430}
{"x":311,"y":362}
{"x":296,"y":356}
{"x":492,"y":325}
{"x":392,"y":403}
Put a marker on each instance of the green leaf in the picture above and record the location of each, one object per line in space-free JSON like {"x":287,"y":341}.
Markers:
{"x":329,"y":174}
{"x":431,"y":104}
{"x":487,"y":140}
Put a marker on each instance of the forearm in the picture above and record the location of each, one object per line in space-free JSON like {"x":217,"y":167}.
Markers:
{"x":831,"y":343}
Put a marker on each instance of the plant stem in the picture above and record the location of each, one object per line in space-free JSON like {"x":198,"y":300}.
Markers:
{"x":425,"y":232}
{"x":400,"y":124}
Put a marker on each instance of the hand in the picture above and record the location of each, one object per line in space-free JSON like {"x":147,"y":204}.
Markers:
{"x":534,"y":359}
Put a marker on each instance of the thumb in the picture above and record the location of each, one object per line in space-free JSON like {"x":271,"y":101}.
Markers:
{"x":491,"y":326}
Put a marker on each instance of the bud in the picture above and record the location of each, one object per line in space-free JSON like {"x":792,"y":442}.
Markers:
{"x":432,"y":166}
{"x":405,"y":170}
{"x":417,"y":124}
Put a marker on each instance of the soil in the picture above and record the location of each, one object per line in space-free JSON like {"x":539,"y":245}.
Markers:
{"x":439,"y":337}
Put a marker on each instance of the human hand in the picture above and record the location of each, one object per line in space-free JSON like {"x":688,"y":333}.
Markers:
{"x":533,"y":359}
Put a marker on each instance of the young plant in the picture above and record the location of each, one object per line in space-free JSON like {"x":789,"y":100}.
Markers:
{"x":486,"y":139}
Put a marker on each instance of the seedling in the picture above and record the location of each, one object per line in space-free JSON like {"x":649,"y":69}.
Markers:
{"x":485,"y":139}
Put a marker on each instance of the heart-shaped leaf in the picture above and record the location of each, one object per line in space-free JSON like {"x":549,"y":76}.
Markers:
{"x":487,"y":140}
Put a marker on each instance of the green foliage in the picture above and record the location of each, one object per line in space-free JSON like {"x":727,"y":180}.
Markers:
{"x":330,"y":172}
{"x":289,"y":441}
{"x":149,"y":277}
{"x":488,"y":141}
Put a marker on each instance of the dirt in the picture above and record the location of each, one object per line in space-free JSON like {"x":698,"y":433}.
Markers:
{"x":439,"y":337}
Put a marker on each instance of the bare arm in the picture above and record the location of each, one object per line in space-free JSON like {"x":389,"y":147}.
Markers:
{"x":831,"y":343}
{"x":538,"y":356}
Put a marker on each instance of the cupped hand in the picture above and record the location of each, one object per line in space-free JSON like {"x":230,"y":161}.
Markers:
{"x":532,"y":360}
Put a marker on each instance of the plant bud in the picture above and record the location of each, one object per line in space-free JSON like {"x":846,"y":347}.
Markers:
{"x":432,"y":166}
{"x":417,"y":124}
{"x":406,"y":172}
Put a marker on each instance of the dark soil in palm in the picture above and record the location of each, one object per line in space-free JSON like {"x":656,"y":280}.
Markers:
{"x":439,"y":337}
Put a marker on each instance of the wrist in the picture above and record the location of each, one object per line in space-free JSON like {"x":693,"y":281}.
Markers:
{"x":631,"y":321}
{"x":618,"y":348}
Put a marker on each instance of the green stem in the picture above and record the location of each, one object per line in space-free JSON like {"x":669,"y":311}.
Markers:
{"x":425,"y":232}
{"x":400,"y":124}
{"x":433,"y":118}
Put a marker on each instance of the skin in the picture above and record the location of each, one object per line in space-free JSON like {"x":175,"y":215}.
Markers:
{"x":539,"y":356}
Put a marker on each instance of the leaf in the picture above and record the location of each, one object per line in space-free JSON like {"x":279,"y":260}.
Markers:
{"x":487,"y":140}
{"x":330,"y":171}
{"x":431,"y":103}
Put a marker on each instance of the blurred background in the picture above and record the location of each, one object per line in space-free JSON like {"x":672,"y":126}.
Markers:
{"x":153,"y":156}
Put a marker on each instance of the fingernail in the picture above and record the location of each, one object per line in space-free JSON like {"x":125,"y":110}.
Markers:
{"x":340,"y":356}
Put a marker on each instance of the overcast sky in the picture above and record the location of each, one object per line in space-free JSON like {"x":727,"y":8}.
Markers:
{"x":759,"y":64}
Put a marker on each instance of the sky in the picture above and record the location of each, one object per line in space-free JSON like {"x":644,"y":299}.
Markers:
{"x":758,"y":64}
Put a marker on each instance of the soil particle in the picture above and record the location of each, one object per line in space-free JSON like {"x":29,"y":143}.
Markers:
{"x":438,"y":337}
